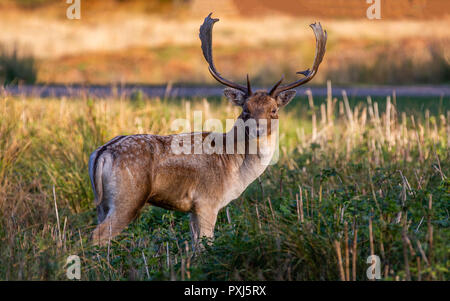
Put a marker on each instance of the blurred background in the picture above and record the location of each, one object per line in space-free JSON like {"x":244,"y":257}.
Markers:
{"x":156,"y":42}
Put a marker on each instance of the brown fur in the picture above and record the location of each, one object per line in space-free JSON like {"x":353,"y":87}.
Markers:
{"x":130,"y":171}
{"x":143,"y":169}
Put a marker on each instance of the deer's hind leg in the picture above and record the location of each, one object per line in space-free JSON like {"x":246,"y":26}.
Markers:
{"x":115,"y":222}
{"x":118,"y":208}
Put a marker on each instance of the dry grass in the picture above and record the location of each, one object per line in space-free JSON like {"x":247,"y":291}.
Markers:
{"x":113,"y":31}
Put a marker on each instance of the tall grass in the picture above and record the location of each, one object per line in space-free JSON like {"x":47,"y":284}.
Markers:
{"x":343,"y":166}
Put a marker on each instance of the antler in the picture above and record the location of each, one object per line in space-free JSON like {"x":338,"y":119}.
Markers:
{"x":321,"y":41}
{"x":206,"y":39}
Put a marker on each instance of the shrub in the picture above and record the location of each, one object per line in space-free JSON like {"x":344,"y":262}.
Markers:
{"x":15,"y":68}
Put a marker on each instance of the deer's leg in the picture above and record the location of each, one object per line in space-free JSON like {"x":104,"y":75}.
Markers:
{"x":111,"y":226}
{"x":202,"y":224}
{"x":114,"y":223}
{"x":123,"y":196}
{"x":121,"y":204}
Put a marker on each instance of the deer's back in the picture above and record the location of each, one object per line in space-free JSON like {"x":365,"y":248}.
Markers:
{"x":145,"y":165}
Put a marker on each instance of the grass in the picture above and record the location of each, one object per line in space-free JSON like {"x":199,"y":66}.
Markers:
{"x":352,"y":180}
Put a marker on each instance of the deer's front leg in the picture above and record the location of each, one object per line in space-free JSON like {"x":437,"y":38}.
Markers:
{"x":202,"y":224}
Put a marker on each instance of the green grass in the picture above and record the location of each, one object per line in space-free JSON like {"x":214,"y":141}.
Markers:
{"x":348,"y":176}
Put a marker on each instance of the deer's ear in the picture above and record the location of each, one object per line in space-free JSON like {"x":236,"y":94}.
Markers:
{"x":236,"y":97}
{"x":285,"y":97}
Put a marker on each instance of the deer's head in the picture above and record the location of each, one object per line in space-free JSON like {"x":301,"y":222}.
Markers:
{"x":260,"y":104}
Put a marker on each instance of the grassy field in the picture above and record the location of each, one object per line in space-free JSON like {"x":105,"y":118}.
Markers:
{"x":357,"y":177}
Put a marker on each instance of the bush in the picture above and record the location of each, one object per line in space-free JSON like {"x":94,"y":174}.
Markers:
{"x":393,"y":65}
{"x":15,"y":68}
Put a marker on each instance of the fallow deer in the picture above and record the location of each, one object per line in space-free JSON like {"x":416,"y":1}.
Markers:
{"x":130,"y":171}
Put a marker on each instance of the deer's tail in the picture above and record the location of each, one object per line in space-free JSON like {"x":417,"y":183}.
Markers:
{"x":98,"y":164}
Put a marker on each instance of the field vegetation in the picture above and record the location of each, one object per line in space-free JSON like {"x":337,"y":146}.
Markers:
{"x":355,"y":177}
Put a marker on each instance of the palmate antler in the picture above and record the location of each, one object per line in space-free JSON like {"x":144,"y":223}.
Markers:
{"x":206,"y":39}
{"x":321,"y":41}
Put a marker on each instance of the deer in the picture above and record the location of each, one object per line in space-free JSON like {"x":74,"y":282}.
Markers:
{"x":130,"y":171}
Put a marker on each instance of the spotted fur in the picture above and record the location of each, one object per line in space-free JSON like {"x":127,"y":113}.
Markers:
{"x":131,"y":171}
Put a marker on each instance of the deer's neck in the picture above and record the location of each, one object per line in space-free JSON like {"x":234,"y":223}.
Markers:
{"x":253,"y":154}
{"x":246,"y":166}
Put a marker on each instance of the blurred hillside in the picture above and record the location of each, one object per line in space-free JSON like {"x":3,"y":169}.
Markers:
{"x":156,"y":42}
{"x":354,"y":9}
{"x":390,"y":9}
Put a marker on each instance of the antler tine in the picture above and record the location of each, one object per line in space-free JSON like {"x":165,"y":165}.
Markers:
{"x":249,"y":88}
{"x":206,"y":39}
{"x":321,"y":41}
{"x":274,"y":88}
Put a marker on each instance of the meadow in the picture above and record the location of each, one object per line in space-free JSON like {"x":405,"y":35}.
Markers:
{"x":354,"y":178}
